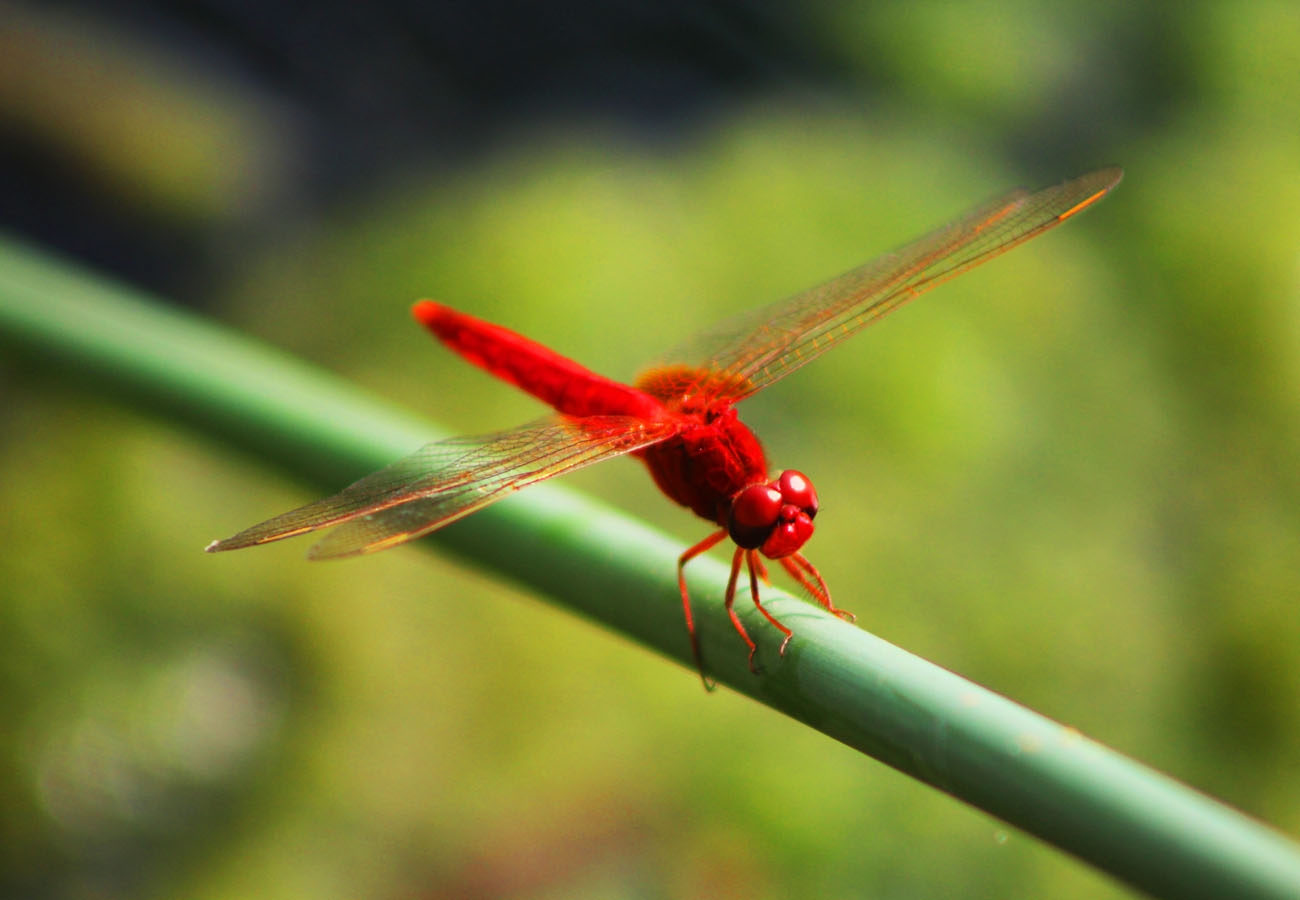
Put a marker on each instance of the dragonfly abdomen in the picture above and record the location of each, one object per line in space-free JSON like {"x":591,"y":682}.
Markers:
{"x":556,"y":380}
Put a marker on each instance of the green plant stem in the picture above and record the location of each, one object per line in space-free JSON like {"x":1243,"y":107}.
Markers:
{"x":1127,"y":820}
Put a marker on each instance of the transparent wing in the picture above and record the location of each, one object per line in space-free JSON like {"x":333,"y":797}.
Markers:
{"x":751,"y":351}
{"x":443,"y":481}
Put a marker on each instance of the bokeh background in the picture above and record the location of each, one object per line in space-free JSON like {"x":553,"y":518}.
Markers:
{"x":1071,"y":475}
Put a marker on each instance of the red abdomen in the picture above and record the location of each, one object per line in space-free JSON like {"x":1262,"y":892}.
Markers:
{"x":557,"y":381}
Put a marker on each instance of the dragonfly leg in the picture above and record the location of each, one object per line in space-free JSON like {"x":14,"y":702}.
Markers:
{"x":702,"y":547}
{"x":804,"y":572}
{"x":736,"y":560}
{"x":754,"y":564}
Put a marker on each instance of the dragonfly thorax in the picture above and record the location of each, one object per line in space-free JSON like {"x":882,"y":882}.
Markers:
{"x":775,"y":518}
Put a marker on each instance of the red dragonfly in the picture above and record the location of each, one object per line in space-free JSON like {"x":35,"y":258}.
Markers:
{"x":678,"y":417}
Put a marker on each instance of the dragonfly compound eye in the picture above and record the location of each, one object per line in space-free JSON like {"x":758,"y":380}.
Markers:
{"x":754,"y":512}
{"x":797,"y":490}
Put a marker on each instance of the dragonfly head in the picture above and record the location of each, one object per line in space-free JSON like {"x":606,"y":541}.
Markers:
{"x":774,"y":518}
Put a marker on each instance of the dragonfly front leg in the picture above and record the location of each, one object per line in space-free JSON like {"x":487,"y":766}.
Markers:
{"x":801,"y":570}
{"x":755,"y":564}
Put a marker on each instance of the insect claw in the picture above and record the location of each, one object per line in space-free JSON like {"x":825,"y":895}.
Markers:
{"x":786,"y":643}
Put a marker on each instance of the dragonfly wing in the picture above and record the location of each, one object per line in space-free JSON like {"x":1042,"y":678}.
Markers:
{"x":445,"y":480}
{"x":759,"y":347}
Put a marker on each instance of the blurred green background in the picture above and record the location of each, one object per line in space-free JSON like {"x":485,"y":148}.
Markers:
{"x":1070,"y":476}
